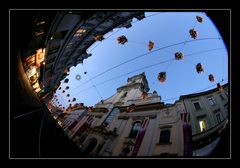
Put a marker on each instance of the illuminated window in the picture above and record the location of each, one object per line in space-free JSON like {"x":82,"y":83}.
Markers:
{"x":197,"y":106}
{"x":164,"y":137}
{"x":41,"y":22}
{"x":36,"y":85}
{"x":211,"y":101}
{"x":79,"y":32}
{"x":135,"y":128}
{"x":39,"y":32}
{"x":203,"y":125}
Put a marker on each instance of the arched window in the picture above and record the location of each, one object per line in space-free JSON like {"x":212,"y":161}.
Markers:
{"x":82,"y":139}
{"x":111,"y":116}
{"x":135,"y":128}
{"x":91,"y":145}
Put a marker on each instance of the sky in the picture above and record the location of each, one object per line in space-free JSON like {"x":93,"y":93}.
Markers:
{"x":166,"y":30}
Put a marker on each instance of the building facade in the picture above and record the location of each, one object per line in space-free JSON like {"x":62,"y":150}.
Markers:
{"x":132,"y":122}
{"x":72,"y":33}
{"x":208,"y":114}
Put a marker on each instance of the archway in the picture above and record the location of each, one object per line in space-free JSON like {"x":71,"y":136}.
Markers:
{"x":91,"y":145}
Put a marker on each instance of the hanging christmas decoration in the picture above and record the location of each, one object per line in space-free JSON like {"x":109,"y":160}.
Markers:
{"x":199,"y":68}
{"x":150,"y":45}
{"x":122,"y":40}
{"x":90,"y":109}
{"x":211,"y":78}
{"x":193,"y":33}
{"x":199,"y":19}
{"x":98,"y":37}
{"x":66,"y":80}
{"x":219,"y":86}
{"x":162,"y":76}
{"x":179,"y":56}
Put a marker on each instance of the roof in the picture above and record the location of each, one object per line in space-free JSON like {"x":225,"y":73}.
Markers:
{"x":202,"y":93}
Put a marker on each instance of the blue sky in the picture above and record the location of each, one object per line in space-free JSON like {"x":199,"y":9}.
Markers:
{"x":164,"y":29}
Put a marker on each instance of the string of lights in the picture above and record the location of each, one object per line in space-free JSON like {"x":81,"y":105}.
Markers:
{"x":146,"y":67}
{"x":139,"y":56}
{"x":122,"y":29}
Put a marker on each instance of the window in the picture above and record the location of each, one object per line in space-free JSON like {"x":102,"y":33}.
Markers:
{"x":197,"y":106}
{"x":79,"y":32}
{"x":211,"y":101}
{"x":218,"y":116}
{"x":226,"y":93}
{"x":221,"y":96}
{"x":165,"y":137}
{"x":111,"y":116}
{"x":124,"y":95}
{"x":135,"y":128}
{"x":58,"y":35}
{"x":203,"y":125}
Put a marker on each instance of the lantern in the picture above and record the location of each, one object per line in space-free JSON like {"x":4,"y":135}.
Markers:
{"x":199,"y":68}
{"x":211,"y":78}
{"x":99,"y":37}
{"x":67,"y":88}
{"x":193,"y":33}
{"x":74,"y":99}
{"x":178,"y":56}
{"x":63,"y":91}
{"x":219,"y":86}
{"x":150,"y":45}
{"x":85,"y":72}
{"x":59,"y":88}
{"x":66,"y":70}
{"x":199,"y":19}
{"x":162,"y":76}
{"x":122,"y":39}
{"x":81,"y":105}
{"x":68,"y":95}
{"x":66,"y":80}
{"x":90,"y":109}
